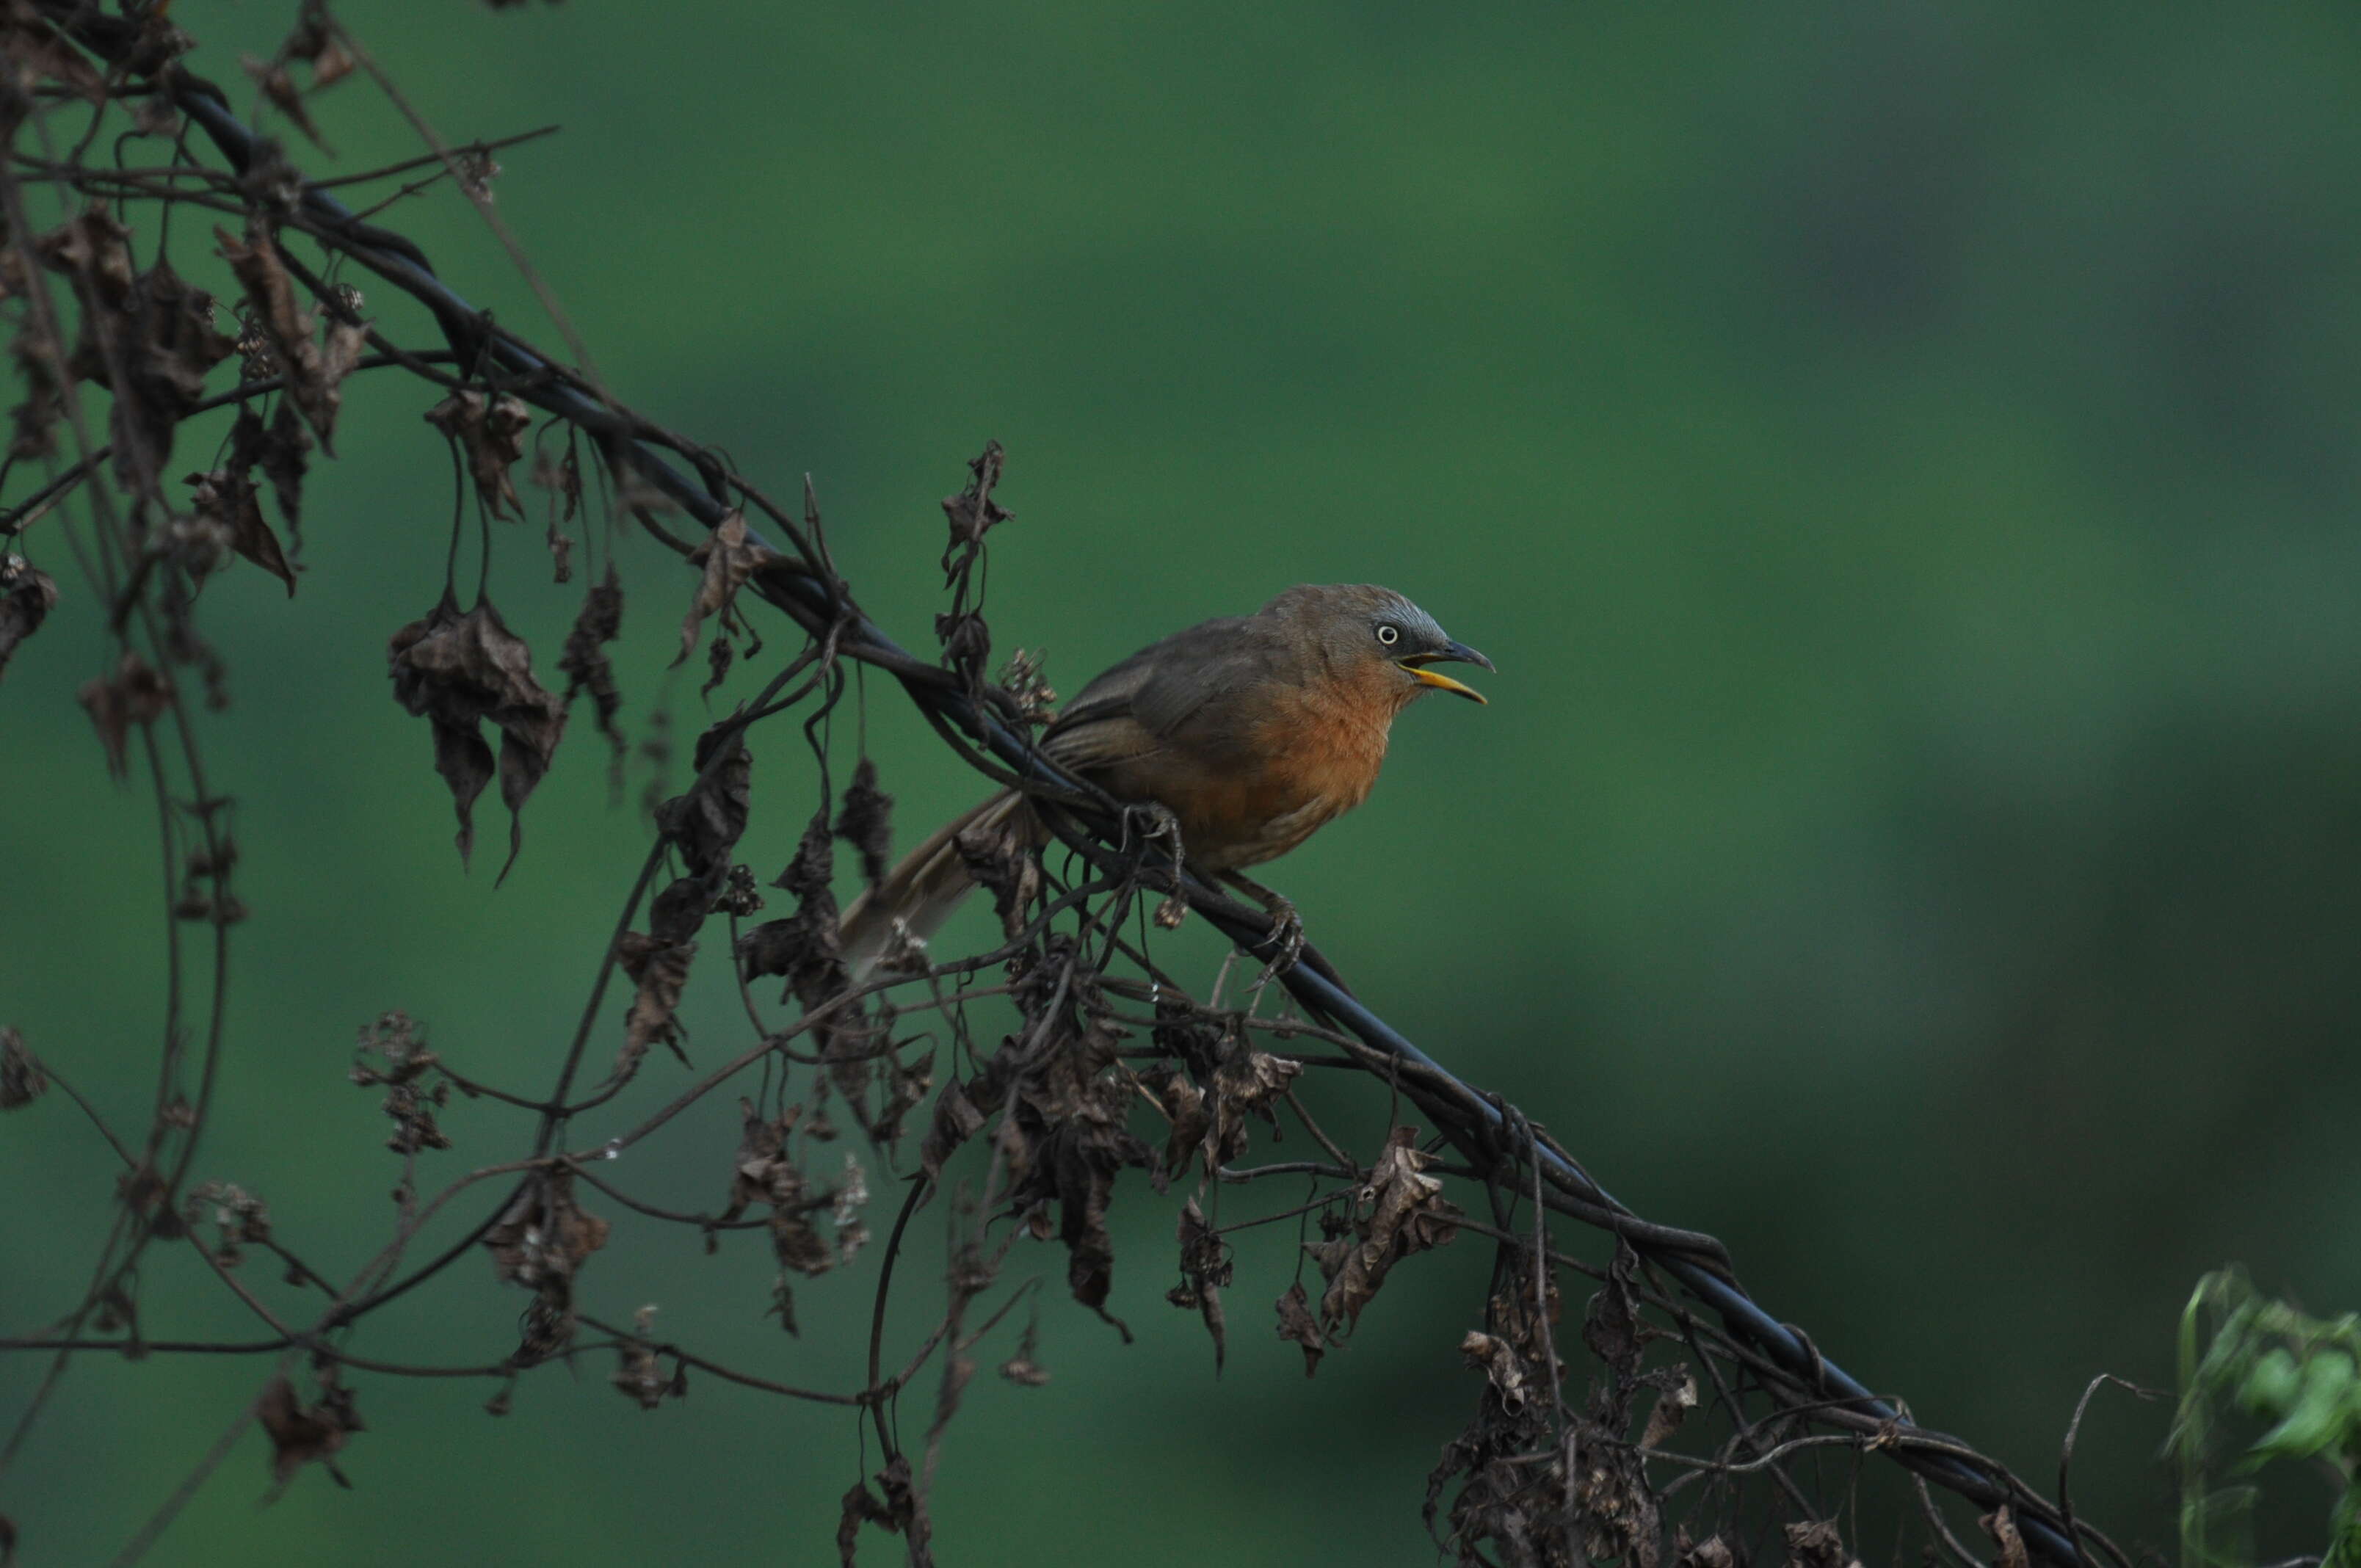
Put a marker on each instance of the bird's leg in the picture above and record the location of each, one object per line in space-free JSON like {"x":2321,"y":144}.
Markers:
{"x":1162,"y":824}
{"x":1286,"y":925}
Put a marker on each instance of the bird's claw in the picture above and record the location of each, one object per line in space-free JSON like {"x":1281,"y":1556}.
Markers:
{"x":1170,"y":913}
{"x":1285,"y":942}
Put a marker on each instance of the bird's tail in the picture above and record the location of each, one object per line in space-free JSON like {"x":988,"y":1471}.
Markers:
{"x":919,"y":894}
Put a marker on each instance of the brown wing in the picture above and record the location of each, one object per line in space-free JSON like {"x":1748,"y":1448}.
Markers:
{"x":1161,"y":696}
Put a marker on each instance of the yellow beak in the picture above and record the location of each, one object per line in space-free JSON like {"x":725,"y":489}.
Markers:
{"x":1440,"y":682}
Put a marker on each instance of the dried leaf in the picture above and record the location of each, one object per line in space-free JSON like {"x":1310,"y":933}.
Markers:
{"x":730,"y":555}
{"x":1000,"y":855}
{"x":1672,"y":1406}
{"x":21,"y":1078}
{"x":1295,"y":1324}
{"x":805,"y":947}
{"x":226,"y":499}
{"x":1025,"y":1367}
{"x":278,"y":449}
{"x":312,"y":374}
{"x":1711,"y":1552}
{"x":957,"y":1119}
{"x":1245,"y":1084}
{"x":1398,"y":1211}
{"x":704,"y":825}
{"x":301,"y":1433}
{"x":585,"y":666}
{"x":1501,"y":1366}
{"x":33,"y":421}
{"x":1205,"y":1268}
{"x":135,"y":694}
{"x":972,"y":512}
{"x":541,"y":1242}
{"x":866,"y":821}
{"x":545,"y":1234}
{"x":93,"y":249}
{"x":895,"y":1514}
{"x":2000,"y":1524}
{"x":394,"y":1052}
{"x":660,"y":970}
{"x":166,"y":346}
{"x":490,"y":430}
{"x":313,"y":39}
{"x":279,"y":88}
{"x":459,"y":670}
{"x":32,"y":50}
{"x":561,"y":477}
{"x":28,"y":594}
{"x":1183,"y":1105}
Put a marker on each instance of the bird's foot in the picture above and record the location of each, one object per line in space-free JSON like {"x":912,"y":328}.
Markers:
{"x":1170,"y":913}
{"x":1285,"y":943}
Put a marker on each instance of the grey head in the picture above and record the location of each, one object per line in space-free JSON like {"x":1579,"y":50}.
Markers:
{"x":1356,"y":625}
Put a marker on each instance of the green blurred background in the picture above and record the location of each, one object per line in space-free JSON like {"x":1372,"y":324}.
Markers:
{"x":1901,"y":458}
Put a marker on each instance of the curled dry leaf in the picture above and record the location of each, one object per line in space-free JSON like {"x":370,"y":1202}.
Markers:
{"x":764,"y":1173}
{"x":1183,"y":1105}
{"x":1297,"y":1324}
{"x":242,"y":1219}
{"x":40,"y":369}
{"x":660,"y":970}
{"x":225,"y":499}
{"x":312,"y":41}
{"x":394,"y":1052}
{"x":166,"y":347}
{"x":491,"y":429}
{"x":1815,"y":1543}
{"x":1244,"y":1085}
{"x":93,"y":249}
{"x":957,"y":1119}
{"x":561,"y":477}
{"x":544,"y":1234}
{"x":33,"y":49}
{"x":313,"y":372}
{"x":541,"y":1242}
{"x":866,"y":821}
{"x":1501,"y":1366}
{"x":149,"y":340}
{"x":585,"y":666}
{"x":703,"y":826}
{"x":804,"y":947}
{"x":1000,"y":855}
{"x":972,"y":512}
{"x":135,"y":694}
{"x":728,"y":556}
{"x":458,"y":671}
{"x":21,"y":1078}
{"x":1398,"y":1211}
{"x":28,"y":594}
{"x":280,"y":87}
{"x":1205,"y":1268}
{"x":301,"y":1433}
{"x":2000,"y":1524}
{"x":279,"y":450}
{"x":1711,"y":1552}
{"x":897,"y":1513}
{"x":1672,"y":1406}
{"x":1025,"y":1367}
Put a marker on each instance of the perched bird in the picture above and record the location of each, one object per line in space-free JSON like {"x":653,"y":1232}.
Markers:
{"x":1253,"y":731}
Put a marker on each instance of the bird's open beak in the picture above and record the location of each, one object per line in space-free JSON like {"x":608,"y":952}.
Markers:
{"x":1455,"y":652}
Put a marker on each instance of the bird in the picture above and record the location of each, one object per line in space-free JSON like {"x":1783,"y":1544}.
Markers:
{"x":1252,"y":732}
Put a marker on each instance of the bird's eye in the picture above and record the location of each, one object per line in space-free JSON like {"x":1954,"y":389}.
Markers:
{"x":1389,"y":636}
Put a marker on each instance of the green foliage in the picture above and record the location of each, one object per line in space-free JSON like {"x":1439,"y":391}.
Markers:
{"x":2265,"y":1361}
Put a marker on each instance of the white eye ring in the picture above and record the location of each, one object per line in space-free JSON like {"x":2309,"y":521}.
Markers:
{"x":1389,"y":636}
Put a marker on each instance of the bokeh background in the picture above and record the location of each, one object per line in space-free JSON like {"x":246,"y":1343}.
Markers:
{"x":1901,"y":458}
